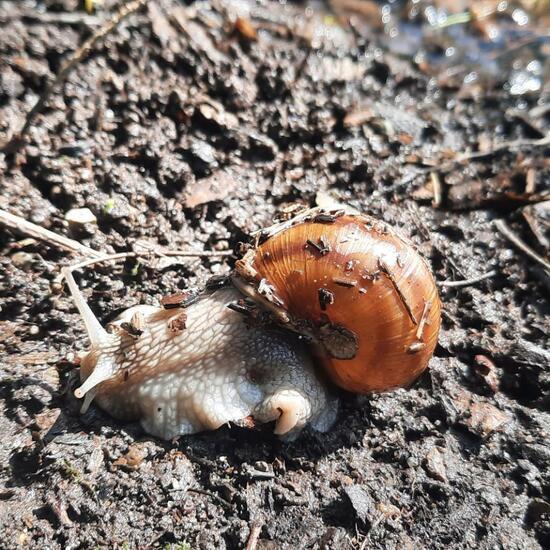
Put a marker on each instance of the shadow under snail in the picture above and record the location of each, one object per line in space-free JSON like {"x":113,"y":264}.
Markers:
{"x":327,"y":289}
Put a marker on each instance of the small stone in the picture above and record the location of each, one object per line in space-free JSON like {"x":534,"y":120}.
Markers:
{"x":80,"y":216}
{"x":361,"y":502}
{"x":486,"y":370}
{"x":485,"y":419}
{"x":95,"y":461}
{"x":44,"y":421}
{"x":22,"y":260}
{"x":56,"y":288}
{"x":435,"y":464}
{"x":11,"y":84}
{"x":216,"y":187}
{"x":203,"y":157}
{"x":262,"y":466}
{"x":388,"y":510}
{"x":346,"y":481}
{"x":133,"y":458}
{"x":214,"y":113}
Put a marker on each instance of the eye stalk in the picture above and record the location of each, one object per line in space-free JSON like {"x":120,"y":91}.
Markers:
{"x":105,"y":366}
{"x":104,"y":370}
{"x":96,"y":332}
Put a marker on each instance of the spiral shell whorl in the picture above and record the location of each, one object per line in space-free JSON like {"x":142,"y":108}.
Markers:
{"x":358,"y":289}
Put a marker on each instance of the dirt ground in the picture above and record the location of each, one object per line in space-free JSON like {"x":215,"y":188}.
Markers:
{"x":181,"y":130}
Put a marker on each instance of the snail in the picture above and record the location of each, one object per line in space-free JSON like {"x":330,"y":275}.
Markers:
{"x":325,"y":296}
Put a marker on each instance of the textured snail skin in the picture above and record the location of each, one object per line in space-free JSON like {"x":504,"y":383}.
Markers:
{"x":378,"y":324}
{"x":214,"y":371}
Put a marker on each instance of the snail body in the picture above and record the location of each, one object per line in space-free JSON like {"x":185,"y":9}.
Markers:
{"x":338,"y":290}
{"x":191,"y":371}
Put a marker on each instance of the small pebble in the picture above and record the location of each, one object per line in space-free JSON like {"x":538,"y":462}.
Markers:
{"x":80,"y":216}
{"x":22,"y":260}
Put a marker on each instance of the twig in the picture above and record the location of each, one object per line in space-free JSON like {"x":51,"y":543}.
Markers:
{"x":93,"y":256}
{"x":468,"y":282}
{"x":255,"y":531}
{"x":377,"y":520}
{"x":437,"y":189}
{"x":516,"y":46}
{"x":124,"y":11}
{"x":32,"y":230}
{"x":385,"y":268}
{"x":156,"y":253}
{"x":455,"y":19}
{"x":202,"y":253}
{"x":364,"y":542}
{"x":503,"y":228}
{"x":62,"y":18}
{"x":218,"y":498}
{"x":503,"y":146}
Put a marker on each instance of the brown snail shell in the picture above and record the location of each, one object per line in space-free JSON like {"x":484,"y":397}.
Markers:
{"x":361,"y":292}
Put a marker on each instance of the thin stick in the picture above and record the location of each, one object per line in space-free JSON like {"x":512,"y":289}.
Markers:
{"x":190,"y":253}
{"x":505,"y":145}
{"x":124,"y":11}
{"x":503,"y":228}
{"x":94,"y":256}
{"x":255,"y":531}
{"x":59,"y":18}
{"x":32,"y":230}
{"x":156,"y":253}
{"x":468,"y":282}
{"x":437,"y":189}
{"x":423,"y":320}
{"x":387,"y":270}
{"x":218,"y":498}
